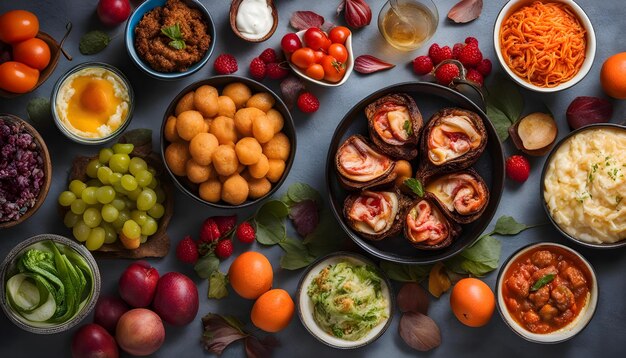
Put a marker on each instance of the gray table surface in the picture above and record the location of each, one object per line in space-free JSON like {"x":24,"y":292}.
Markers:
{"x":603,"y":337}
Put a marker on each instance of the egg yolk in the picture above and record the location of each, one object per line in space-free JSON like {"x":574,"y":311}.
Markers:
{"x":93,"y":103}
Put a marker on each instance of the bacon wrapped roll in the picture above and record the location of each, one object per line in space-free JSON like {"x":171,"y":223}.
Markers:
{"x":360,"y":166}
{"x":426,"y":227}
{"x":375,"y":215}
{"x":394,"y":125}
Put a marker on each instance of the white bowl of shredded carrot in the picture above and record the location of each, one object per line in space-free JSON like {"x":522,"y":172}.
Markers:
{"x":544,"y":45}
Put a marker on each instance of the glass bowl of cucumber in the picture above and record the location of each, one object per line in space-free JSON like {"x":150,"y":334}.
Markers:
{"x":49,"y":284}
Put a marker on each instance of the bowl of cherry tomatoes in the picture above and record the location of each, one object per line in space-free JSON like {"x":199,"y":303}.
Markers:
{"x":323,"y":58}
{"x":27,"y":56}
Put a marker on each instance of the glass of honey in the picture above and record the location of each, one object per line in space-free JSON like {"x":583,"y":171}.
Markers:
{"x":407,"y":24}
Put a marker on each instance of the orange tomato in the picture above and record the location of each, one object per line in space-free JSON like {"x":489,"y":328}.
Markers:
{"x":18,"y":25}
{"x":251,"y":275}
{"x":17,"y":77}
{"x":333,"y":69}
{"x":315,"y":71}
{"x":613,"y":76}
{"x":303,"y":57}
{"x":339,"y":52}
{"x":472,"y":302}
{"x":339,"y":34}
{"x":32,"y":52}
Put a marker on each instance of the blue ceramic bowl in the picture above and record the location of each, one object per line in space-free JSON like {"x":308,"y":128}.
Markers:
{"x":129,"y":39}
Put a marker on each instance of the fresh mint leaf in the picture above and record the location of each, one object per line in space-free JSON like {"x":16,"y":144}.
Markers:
{"x":93,"y":42}
{"x":479,"y":259}
{"x":415,"y":186}
{"x":39,"y":110}
{"x":298,"y":192}
{"x":206,"y":265}
{"x":296,"y":254}
{"x":218,"y":283}
{"x":546,"y":279}
{"x":505,"y":96}
{"x":405,"y":273}
{"x":174,"y":33}
{"x":506,"y":225}
{"x":499,"y":120}
{"x":270,"y":223}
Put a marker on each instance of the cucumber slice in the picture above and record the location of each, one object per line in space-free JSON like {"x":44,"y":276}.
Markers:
{"x":43,"y":313}
{"x":23,"y":292}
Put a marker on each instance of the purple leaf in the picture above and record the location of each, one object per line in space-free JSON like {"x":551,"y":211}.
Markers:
{"x":256,"y":348}
{"x":305,"y":217}
{"x":219,"y":333}
{"x":291,"y":87}
{"x":303,"y":20}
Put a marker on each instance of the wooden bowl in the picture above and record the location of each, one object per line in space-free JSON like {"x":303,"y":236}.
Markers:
{"x":234,"y":8}
{"x":47,"y":168}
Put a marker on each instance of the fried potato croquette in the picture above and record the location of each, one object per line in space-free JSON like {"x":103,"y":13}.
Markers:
{"x":258,"y":187}
{"x":277,"y":120}
{"x":223,"y":128}
{"x":202,"y":147}
{"x":224,"y":160}
{"x":278,"y":147}
{"x":248,"y":150}
{"x":197,"y":173}
{"x":205,"y":101}
{"x":210,"y":190}
{"x":262,"y":100}
{"x":262,"y":129}
{"x":235,"y":190}
{"x":238,"y":92}
{"x":176,"y":156}
{"x":184,"y":104}
{"x":259,"y":169}
{"x":226,"y":107}
{"x":170,"y":133}
{"x":244,"y":118}
{"x":189,"y":124}
{"x":276,"y":170}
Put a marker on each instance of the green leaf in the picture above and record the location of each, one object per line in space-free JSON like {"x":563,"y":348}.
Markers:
{"x":270,"y":223}
{"x":173,"y":32}
{"x":326,"y":238}
{"x":274,"y":207}
{"x":207,"y":265}
{"x":479,"y":259}
{"x":296,"y":254}
{"x":505,"y":96}
{"x":93,"y":42}
{"x":405,"y":273}
{"x":218,"y":283}
{"x":39,"y":110}
{"x":298,"y":192}
{"x":546,"y":279}
{"x":500,"y":121}
{"x":415,"y":186}
{"x":408,"y":127}
{"x":506,"y":225}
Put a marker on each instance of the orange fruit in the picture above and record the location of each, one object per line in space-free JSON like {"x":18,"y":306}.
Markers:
{"x":251,"y":275}
{"x":273,"y":311}
{"x":613,"y":76}
{"x":472,"y":302}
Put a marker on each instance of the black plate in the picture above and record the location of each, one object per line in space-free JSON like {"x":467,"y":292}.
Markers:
{"x":429,"y":98}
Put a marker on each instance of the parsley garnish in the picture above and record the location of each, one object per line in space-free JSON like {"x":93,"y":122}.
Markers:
{"x":408,"y":127}
{"x":173,"y":32}
{"x":415,"y":186}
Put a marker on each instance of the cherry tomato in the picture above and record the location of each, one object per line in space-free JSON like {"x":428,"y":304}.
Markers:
{"x":315,"y":71}
{"x":316,"y":39}
{"x":472,"y":302}
{"x":319,"y":55}
{"x":339,"y":34}
{"x":290,"y":43}
{"x":17,"y":77}
{"x":303,"y":57}
{"x":18,"y":25}
{"x":33,"y":52}
{"x":333,"y":69}
{"x":339,"y":52}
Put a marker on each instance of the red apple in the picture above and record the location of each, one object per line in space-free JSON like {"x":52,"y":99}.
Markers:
{"x":140,"y":332}
{"x":113,"y":12}
{"x":176,"y":299}
{"x":93,"y":341}
{"x":138,"y":284}
{"x":108,"y":311}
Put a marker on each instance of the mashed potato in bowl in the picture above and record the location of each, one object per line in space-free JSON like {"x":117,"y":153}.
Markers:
{"x":585,"y":185}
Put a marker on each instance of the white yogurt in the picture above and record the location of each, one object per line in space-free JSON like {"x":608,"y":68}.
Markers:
{"x":254,"y":19}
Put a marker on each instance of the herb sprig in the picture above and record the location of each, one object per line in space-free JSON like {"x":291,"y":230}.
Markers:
{"x":173,"y":32}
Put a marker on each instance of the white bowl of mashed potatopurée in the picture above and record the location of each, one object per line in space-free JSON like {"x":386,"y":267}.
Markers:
{"x":92,"y":103}
{"x":345,"y":301}
{"x":584,"y":186}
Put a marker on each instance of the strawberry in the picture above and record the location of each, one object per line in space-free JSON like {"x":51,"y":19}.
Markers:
{"x":518,"y":168}
{"x":474,"y":76}
{"x":225,"y":64}
{"x":470,"y":56}
{"x":422,"y":65}
{"x":438,"y":54}
{"x":276,"y":71}
{"x":268,"y":56}
{"x":446,"y":73}
{"x":484,"y":67}
{"x":187,"y":250}
{"x":456,"y":50}
{"x":225,"y":223}
{"x":245,"y":233}
{"x":224,"y":249}
{"x":471,"y":40}
{"x":209,"y":231}
{"x":258,"y":69}
{"x":308,"y":103}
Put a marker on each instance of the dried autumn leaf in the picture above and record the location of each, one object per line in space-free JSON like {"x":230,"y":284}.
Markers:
{"x":291,"y":87}
{"x":370,"y":64}
{"x":303,"y":20}
{"x":465,"y":11}
{"x":438,"y":280}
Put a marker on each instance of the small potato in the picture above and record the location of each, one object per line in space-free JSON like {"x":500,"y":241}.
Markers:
{"x":176,"y":156}
{"x":258,"y":187}
{"x":238,"y":92}
{"x":223,"y":128}
{"x":205,"y":101}
{"x":225,"y":160}
{"x":184,"y":104}
{"x":189,"y":124}
{"x":403,"y":171}
{"x":244,"y":118}
{"x":276,"y":170}
{"x":210,"y":190}
{"x":260,"y":168}
{"x":248,"y":150}
{"x":262,"y":129}
{"x":277,"y":119}
{"x":202,"y":147}
{"x":278,"y":147}
{"x":226,"y":106}
{"x":262,"y":100}
{"x":170,"y":133}
{"x":197,"y":173}
{"x":235,"y":190}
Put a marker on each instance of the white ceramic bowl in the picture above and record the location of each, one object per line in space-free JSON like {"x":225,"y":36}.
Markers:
{"x":565,"y":333}
{"x":305,"y":305}
{"x":349,"y":65}
{"x":514,"y":5}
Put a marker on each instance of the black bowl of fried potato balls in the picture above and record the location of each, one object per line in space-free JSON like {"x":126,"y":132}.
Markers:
{"x":228,"y":141}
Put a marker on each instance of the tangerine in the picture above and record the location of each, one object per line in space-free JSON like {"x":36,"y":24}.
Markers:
{"x":273,"y":311}
{"x":613,"y":76}
{"x":251,"y":275}
{"x":472,"y":302}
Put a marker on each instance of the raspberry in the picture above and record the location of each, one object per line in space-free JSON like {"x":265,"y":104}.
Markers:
{"x":470,"y":56}
{"x":474,"y":76}
{"x":446,"y":73}
{"x":209,"y":231}
{"x":484,"y":67}
{"x":225,"y":64}
{"x":245,"y":233}
{"x":276,"y":71}
{"x":518,"y":168}
{"x":471,"y":40}
{"x":422,"y":65}
{"x":456,"y":50}
{"x":187,"y":250}
{"x":224,"y":249}
{"x":268,"y":56}
{"x":438,"y":54}
{"x":225,"y":223}
{"x":308,"y":103}
{"x":257,"y":69}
